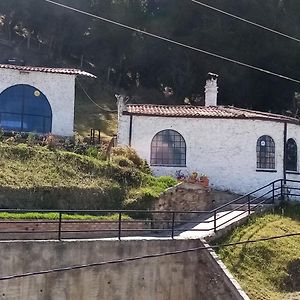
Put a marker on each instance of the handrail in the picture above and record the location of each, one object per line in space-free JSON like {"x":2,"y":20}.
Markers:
{"x":246,"y":195}
{"x":167,"y":223}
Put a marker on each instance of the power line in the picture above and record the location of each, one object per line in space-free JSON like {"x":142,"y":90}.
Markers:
{"x":96,"y":104}
{"x":130,"y":259}
{"x":175,"y":42}
{"x":247,"y":21}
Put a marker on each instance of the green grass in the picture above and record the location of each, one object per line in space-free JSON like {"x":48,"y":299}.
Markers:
{"x":262,"y":268}
{"x":55,"y":216}
{"x":88,"y":115}
{"x":88,"y":182}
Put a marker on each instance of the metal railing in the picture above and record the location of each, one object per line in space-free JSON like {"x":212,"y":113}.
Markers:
{"x":143,"y":222}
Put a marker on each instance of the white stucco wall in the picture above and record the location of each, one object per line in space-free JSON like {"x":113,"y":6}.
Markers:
{"x":59,"y":90}
{"x":224,"y":149}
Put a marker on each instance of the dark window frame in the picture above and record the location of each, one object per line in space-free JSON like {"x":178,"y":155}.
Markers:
{"x":168,"y":149}
{"x":291,"y":155}
{"x":265,"y":153}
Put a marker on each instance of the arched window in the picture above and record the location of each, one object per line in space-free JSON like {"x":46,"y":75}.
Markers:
{"x":25,"y":108}
{"x":168,"y":148}
{"x":291,"y":155}
{"x":265,"y":152}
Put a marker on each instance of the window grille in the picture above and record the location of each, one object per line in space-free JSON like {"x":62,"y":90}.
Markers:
{"x":291,"y":155}
{"x":168,"y":148}
{"x":265,"y":151}
{"x":24,"y":108}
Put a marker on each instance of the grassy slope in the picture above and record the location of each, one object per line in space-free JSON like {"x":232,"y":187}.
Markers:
{"x":261,"y":268}
{"x":22,"y":166}
{"x":88,"y":115}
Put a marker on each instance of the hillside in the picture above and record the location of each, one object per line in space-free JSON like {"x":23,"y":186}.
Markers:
{"x":39,"y":177}
{"x":41,"y":33}
{"x":267,"y":270}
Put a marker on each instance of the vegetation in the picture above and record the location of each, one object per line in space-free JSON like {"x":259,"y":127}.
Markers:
{"x":55,"y":216}
{"x":145,"y":68}
{"x":48,"y":177}
{"x":271,"y":269}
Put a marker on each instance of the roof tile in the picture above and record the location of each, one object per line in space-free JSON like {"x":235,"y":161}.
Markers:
{"x":65,"y":71}
{"x":204,"y":112}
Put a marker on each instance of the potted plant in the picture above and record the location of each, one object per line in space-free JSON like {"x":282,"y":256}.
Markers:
{"x":204,"y":180}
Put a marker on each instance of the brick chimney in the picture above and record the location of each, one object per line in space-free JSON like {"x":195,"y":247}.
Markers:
{"x":211,"y":90}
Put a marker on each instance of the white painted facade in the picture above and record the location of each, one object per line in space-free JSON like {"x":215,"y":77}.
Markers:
{"x":59,"y":89}
{"x":223,"y":148}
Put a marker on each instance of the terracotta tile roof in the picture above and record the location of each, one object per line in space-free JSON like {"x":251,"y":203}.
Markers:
{"x":189,"y":111}
{"x":47,"y":70}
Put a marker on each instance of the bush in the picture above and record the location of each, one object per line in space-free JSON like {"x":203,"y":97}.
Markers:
{"x":51,"y":142}
{"x":128,"y":153}
{"x":122,"y":161}
{"x":32,"y":139}
{"x":92,"y":151}
{"x":22,"y":151}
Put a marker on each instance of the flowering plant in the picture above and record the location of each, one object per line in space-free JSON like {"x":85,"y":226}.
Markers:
{"x":194,"y":177}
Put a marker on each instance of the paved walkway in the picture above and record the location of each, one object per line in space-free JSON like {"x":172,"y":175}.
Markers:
{"x":194,"y":230}
{"x":205,"y":227}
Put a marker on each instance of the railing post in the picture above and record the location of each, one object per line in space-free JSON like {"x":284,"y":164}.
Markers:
{"x":120,"y":226}
{"x":59,"y":226}
{"x":273,"y":192}
{"x":249,"y":205}
{"x":215,"y":221}
{"x":173,"y":224}
{"x":281,"y":189}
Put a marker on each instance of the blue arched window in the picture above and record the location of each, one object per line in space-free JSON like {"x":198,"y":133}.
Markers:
{"x":168,"y":148}
{"x":25,"y":108}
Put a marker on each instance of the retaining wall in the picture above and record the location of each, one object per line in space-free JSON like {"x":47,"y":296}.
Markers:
{"x":192,"y":275}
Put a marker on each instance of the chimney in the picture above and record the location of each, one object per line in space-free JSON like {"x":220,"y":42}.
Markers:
{"x":211,"y":90}
{"x":120,"y":104}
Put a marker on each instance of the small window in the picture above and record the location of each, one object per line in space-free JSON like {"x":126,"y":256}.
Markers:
{"x":291,"y":155}
{"x":168,"y":148}
{"x":265,"y":151}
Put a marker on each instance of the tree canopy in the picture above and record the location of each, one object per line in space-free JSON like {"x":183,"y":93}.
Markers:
{"x":144,"y":67}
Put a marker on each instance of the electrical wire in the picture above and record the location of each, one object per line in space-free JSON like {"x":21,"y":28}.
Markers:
{"x":88,"y":96}
{"x":175,"y":42}
{"x":247,"y":21}
{"x":130,"y":259}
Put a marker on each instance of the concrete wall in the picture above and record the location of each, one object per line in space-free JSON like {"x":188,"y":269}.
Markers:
{"x":224,"y":149}
{"x":59,"y":90}
{"x":193,"y":275}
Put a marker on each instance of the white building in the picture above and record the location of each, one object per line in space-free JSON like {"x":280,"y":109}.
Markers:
{"x":37,"y":99}
{"x":238,"y":149}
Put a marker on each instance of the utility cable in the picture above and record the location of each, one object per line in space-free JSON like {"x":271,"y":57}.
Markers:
{"x":247,"y":21}
{"x":130,"y":259}
{"x":88,"y":96}
{"x":175,"y":42}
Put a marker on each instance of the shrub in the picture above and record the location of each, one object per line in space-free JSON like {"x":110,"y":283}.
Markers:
{"x":51,"y":142}
{"x":129,"y":153}
{"x":22,"y":151}
{"x":1,"y":134}
{"x":32,"y":139}
{"x":122,"y":161}
{"x":92,"y":151}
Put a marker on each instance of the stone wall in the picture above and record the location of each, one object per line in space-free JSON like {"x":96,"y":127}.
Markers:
{"x":184,"y":197}
{"x":191,"y":275}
